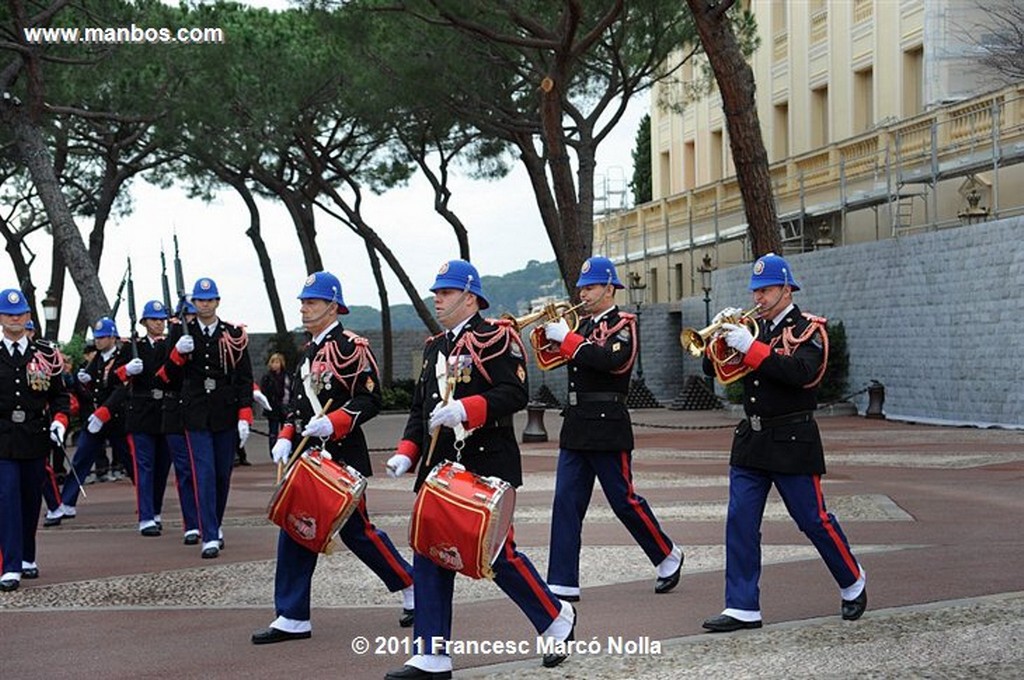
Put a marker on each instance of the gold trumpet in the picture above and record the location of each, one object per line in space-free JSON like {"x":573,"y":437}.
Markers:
{"x":696,"y":341}
{"x":545,"y":352}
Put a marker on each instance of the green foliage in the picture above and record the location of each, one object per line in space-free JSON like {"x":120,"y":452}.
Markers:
{"x":73,"y":348}
{"x":641,"y":184}
{"x":834,"y":384}
{"x":398,"y":397}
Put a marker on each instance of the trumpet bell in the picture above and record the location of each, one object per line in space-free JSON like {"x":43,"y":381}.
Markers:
{"x":545,"y":352}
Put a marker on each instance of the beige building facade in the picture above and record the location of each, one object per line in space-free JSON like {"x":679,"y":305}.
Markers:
{"x":877,"y":120}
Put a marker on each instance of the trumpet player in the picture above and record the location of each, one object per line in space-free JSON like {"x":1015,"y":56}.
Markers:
{"x":596,"y":440}
{"x":778,"y":444}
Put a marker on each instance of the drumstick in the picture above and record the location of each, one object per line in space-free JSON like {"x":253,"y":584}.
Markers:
{"x":301,"y":446}
{"x":449,"y":387}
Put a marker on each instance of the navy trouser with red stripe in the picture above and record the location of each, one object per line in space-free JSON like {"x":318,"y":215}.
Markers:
{"x":574,"y":485}
{"x":748,"y":492}
{"x":295,"y":563}
{"x":20,"y":481}
{"x":513,"y":573}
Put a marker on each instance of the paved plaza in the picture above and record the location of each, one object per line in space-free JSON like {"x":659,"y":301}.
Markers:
{"x":933,"y":514}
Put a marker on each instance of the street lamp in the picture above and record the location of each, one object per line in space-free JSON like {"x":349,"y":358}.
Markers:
{"x":637,"y":291}
{"x":50,"y":308}
{"x":705,"y":283}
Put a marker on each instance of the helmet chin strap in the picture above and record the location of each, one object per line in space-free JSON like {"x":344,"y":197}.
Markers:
{"x":443,"y":317}
{"x":320,"y":317}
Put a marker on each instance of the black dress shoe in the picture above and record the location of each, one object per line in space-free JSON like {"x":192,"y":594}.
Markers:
{"x":552,"y":660}
{"x":851,"y":609}
{"x":52,"y":521}
{"x":7,"y":585}
{"x":413,"y":673}
{"x":569,"y":598}
{"x":31,"y":572}
{"x":664,"y":585}
{"x":210,"y":553}
{"x":408,"y":618}
{"x":191,"y":539}
{"x":152,"y":530}
{"x":269,"y":636}
{"x":727,"y":624}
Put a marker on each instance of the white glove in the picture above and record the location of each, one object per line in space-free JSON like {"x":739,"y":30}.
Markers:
{"x":398,"y":465}
{"x":281,"y":451}
{"x":133,"y":367}
{"x":57,"y":432}
{"x":243,"y":433}
{"x":727,"y":313}
{"x":95,"y":424}
{"x":261,"y":399}
{"x":556,"y":330}
{"x":450,"y":416}
{"x":738,"y":337}
{"x":84,"y":378}
{"x":185,"y":344}
{"x":320,"y":426}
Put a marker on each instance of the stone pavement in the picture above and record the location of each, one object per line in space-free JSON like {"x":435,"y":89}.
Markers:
{"x":933,"y":514}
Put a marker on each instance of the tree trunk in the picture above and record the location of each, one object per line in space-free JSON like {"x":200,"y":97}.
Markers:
{"x":56,"y":289}
{"x":32,"y":148}
{"x":735,"y":81}
{"x":253,"y":232}
{"x":387,"y":375}
{"x":22,"y":271}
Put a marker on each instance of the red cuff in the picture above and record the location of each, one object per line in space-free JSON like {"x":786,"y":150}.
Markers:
{"x":245,"y":414}
{"x":74,"y":405}
{"x":286,"y":432}
{"x":255,"y":387}
{"x":409,"y":449}
{"x":476,"y":410}
{"x":62,"y":419}
{"x":757,"y":353}
{"x":162,"y":374}
{"x":571,"y":343}
{"x":342,"y":422}
{"x":103,"y":413}
{"x":177,"y":357}
{"x":122,"y":373}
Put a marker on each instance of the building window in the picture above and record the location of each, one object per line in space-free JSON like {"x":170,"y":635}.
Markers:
{"x":780,"y":132}
{"x":678,"y":281}
{"x":913,"y":81}
{"x":715,"y":156}
{"x":664,"y":174}
{"x":863,"y":100}
{"x":653,"y":278}
{"x":819,"y":117}
{"x":689,"y":165}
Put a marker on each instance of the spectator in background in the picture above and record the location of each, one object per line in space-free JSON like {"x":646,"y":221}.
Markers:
{"x":276,"y":386}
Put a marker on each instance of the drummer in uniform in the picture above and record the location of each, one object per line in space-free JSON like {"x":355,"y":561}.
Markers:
{"x":34,"y":410}
{"x":211,"y":360}
{"x":487,"y":360}
{"x":337,"y":365}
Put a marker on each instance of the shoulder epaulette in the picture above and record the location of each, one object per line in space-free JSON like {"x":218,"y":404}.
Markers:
{"x":815,"y":319}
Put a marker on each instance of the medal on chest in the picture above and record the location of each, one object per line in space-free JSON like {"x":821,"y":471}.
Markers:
{"x":37,"y":376}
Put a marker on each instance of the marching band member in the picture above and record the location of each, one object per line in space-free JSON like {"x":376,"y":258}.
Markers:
{"x":144,"y":419}
{"x":597,"y":436}
{"x":33,"y":411}
{"x":778,"y":444}
{"x":211,"y":359}
{"x":490,"y":387}
{"x":337,"y":365}
{"x":174,"y":435}
{"x":106,"y":423}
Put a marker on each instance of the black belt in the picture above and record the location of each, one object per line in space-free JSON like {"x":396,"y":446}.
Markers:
{"x":586,"y":397}
{"x":757,"y":423}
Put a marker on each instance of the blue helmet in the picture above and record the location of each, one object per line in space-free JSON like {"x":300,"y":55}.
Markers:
{"x":188,"y":308}
{"x":599,"y":270}
{"x":323,"y":286}
{"x":13,"y":302}
{"x":154,"y":309}
{"x":30,"y":325}
{"x":205,"y":289}
{"x":772,"y":270}
{"x":460,"y":275}
{"x":104,"y":328}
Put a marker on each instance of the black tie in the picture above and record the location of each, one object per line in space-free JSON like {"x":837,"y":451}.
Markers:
{"x":449,"y":338}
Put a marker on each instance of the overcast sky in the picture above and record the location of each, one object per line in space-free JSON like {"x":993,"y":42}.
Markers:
{"x":504,"y":226}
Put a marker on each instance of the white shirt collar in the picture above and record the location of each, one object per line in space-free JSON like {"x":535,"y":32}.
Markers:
{"x":322,"y":334}
{"x":601,"y":315}
{"x":208,"y":330}
{"x":21,"y":343}
{"x":778,"y":318}
{"x":458,"y":327}
{"x":109,"y":353}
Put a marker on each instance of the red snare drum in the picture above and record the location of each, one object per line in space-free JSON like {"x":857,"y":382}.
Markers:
{"x":314,"y":499}
{"x":460,"y":519}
